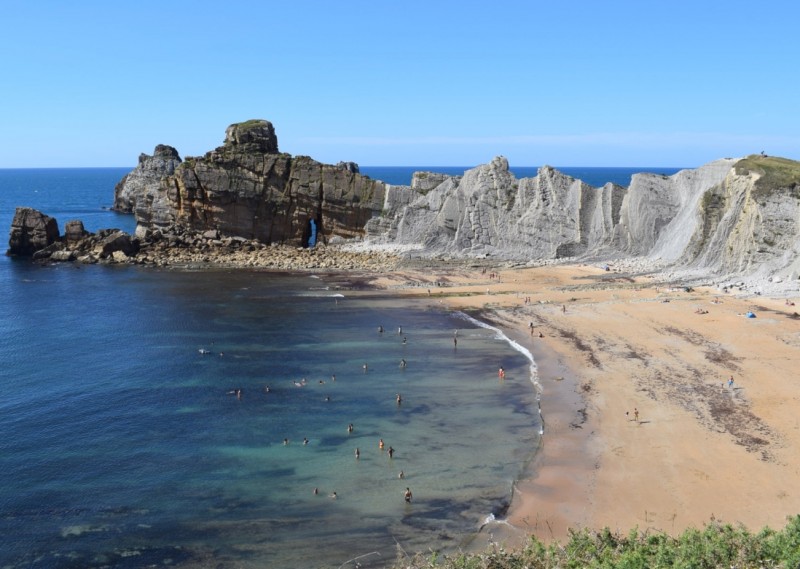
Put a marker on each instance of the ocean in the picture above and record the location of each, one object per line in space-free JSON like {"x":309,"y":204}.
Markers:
{"x":125,"y":443}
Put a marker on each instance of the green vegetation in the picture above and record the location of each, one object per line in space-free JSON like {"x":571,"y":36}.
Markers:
{"x":250,"y":124}
{"x":717,"y":545}
{"x":776,"y":173}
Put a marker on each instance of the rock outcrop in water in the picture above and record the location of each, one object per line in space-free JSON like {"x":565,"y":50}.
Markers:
{"x":31,"y":231}
{"x":248,"y":188}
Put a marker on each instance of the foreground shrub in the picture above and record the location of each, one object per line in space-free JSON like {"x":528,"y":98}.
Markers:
{"x":715,"y":546}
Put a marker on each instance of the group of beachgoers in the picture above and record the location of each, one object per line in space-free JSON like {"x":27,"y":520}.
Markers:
{"x":389,"y":450}
{"x":382,"y":446}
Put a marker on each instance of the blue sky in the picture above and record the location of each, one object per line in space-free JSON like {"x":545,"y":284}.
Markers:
{"x":419,"y":83}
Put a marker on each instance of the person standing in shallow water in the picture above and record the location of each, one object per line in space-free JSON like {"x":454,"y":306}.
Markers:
{"x":407,"y":495}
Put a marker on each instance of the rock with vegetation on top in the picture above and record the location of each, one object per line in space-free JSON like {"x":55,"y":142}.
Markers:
{"x":248,"y":188}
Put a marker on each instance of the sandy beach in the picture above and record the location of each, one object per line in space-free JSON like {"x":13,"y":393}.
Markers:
{"x":642,"y":428}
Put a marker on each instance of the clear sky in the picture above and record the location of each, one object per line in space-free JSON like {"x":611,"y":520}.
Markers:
{"x":402,"y":82}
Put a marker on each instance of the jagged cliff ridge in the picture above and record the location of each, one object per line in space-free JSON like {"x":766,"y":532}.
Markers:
{"x":732,"y":216}
{"x":729,"y":217}
{"x":248,"y":188}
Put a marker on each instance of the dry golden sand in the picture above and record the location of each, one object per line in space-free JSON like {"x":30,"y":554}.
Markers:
{"x":700,"y":450}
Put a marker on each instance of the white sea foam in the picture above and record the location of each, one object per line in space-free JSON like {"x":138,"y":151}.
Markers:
{"x":534,"y":370}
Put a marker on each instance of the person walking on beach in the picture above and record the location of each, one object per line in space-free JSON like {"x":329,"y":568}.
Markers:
{"x":636,"y":414}
{"x":730,"y":382}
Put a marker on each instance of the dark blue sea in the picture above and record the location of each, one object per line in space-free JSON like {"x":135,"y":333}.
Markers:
{"x":125,"y":446}
{"x":597,"y":177}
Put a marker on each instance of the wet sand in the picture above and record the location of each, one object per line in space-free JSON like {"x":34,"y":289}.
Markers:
{"x":700,"y":450}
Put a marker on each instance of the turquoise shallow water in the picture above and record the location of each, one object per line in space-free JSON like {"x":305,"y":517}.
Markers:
{"x":123,"y":447}
{"x":126,"y":446}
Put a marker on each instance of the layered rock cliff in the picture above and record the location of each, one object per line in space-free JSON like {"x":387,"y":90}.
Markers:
{"x":732,"y":216}
{"x":248,"y":188}
{"x":729,"y":217}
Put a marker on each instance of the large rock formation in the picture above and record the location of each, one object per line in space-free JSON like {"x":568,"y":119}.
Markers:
{"x":31,"y":231}
{"x":140,"y":187}
{"x":732,"y":216}
{"x":489,"y":212}
{"x":729,"y":217}
{"x":247,"y":188}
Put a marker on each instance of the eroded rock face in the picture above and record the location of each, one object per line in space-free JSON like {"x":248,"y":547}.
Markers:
{"x":247,"y":188}
{"x":728,"y":217}
{"x":74,"y":231}
{"x":139,"y":189}
{"x":488,"y":211}
{"x":31,"y":230}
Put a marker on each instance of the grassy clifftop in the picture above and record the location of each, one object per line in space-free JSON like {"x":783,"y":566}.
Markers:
{"x":775,"y":173}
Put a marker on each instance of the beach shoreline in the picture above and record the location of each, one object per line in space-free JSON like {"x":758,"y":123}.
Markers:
{"x":641,"y":428}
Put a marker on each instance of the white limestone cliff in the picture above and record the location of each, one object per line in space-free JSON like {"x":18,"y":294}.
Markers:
{"x":729,"y":217}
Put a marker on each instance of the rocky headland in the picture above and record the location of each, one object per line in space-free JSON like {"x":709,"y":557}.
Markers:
{"x":730,"y":219}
